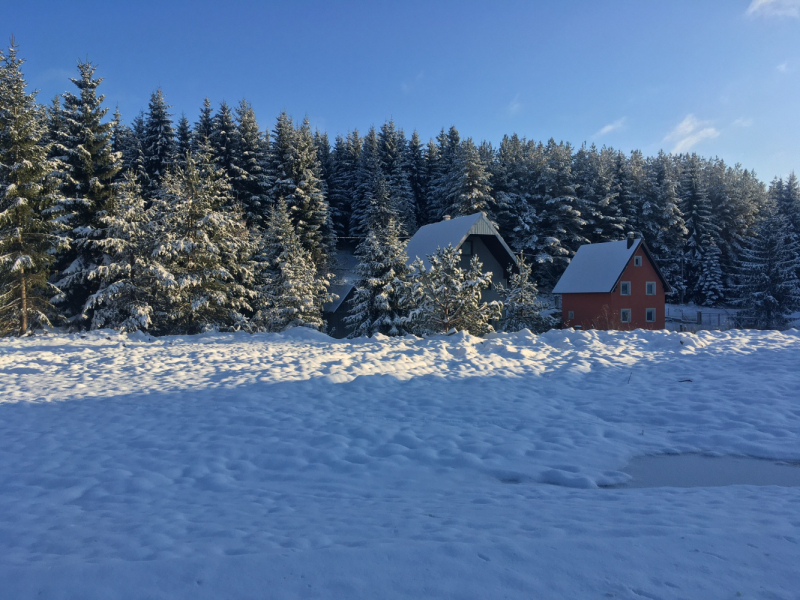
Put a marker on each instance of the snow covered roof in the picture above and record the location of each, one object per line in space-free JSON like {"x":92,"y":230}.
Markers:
{"x":450,"y":232}
{"x":595,"y":268}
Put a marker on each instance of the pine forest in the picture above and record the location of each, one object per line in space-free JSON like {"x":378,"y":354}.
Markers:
{"x":172,"y":224}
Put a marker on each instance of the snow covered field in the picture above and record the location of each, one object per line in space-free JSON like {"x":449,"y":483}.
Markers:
{"x":296,"y":466}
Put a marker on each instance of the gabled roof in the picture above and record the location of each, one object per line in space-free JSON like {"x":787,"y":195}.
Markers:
{"x":451,"y":232}
{"x":596,"y":268}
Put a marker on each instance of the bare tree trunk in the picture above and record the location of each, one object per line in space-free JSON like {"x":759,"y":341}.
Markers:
{"x":24,"y":295}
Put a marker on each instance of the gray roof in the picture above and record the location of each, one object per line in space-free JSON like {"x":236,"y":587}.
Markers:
{"x":430,"y":238}
{"x":595,"y":268}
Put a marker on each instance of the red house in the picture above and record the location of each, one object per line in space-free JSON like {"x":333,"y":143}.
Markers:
{"x":615,"y":285}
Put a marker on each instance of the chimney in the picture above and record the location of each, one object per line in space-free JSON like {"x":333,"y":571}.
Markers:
{"x":446,"y":218}
{"x":630,"y":239}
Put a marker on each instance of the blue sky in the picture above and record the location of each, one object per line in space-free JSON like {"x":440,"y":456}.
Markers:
{"x":721,"y":78}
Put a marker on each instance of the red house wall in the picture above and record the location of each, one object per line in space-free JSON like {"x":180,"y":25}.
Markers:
{"x":603,"y":311}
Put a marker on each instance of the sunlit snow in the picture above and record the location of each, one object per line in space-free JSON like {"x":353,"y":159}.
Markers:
{"x":297,"y":466}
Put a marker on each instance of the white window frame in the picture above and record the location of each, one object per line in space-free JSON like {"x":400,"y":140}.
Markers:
{"x":647,"y":288}
{"x":622,"y":285}
{"x":637,"y":261}
{"x":570,"y":314}
{"x":622,"y":315}
{"x":646,"y":312}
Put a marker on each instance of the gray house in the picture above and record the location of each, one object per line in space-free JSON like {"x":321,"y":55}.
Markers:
{"x":473,"y":234}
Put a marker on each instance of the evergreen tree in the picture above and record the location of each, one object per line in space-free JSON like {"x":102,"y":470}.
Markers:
{"x":158,"y":142}
{"x":291,"y":292}
{"x":203,"y":129}
{"x":392,"y":156}
{"x":90,"y":168}
{"x":696,"y":209}
{"x":27,"y":198}
{"x":443,"y":173}
{"x":593,"y":174}
{"x":225,"y":146}
{"x":710,"y":287}
{"x":369,"y":177}
{"x":562,"y":222}
{"x":183,"y":141}
{"x":663,"y":227}
{"x":447,"y":297}
{"x":376,"y":306}
{"x":770,"y":290}
{"x":417,"y":176}
{"x":514,"y":174}
{"x":787,"y":197}
{"x":130,"y":280}
{"x":250,"y":184}
{"x":469,"y":190}
{"x":343,"y":181}
{"x":523,"y":309}
{"x":203,"y":245}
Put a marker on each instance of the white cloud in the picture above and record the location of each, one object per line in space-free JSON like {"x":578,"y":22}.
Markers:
{"x":742,"y":122}
{"x":689,"y":133}
{"x":783,"y":67}
{"x":514,"y":106}
{"x":774,"y":8}
{"x":611,"y":127}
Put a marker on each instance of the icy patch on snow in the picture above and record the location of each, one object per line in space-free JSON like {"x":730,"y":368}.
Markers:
{"x":695,"y":470}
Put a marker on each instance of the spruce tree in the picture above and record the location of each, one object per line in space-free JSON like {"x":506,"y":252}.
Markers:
{"x":769,"y":291}
{"x":158,"y":142}
{"x":593,"y":174}
{"x":392,"y":156}
{"x":696,"y":209}
{"x":250,"y":185}
{"x":291,"y":292}
{"x":515,"y":172}
{"x":417,"y":176}
{"x":226,"y":146}
{"x":90,"y":167}
{"x":27,"y":199}
{"x":561,"y":214}
{"x":183,"y":141}
{"x":468,"y":191}
{"x":294,"y":177}
{"x":447,"y":297}
{"x":130,"y":280}
{"x":203,"y":244}
{"x":522,"y":307}
{"x":342,"y":181}
{"x":376,"y":306}
{"x":368,"y":173}
{"x":203,"y":129}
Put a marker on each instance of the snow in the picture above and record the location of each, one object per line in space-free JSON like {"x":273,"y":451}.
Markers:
{"x":296,"y":466}
{"x":595,"y":268}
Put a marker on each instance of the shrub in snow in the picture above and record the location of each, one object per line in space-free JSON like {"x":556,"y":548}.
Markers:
{"x":523,"y":309}
{"x":447,"y":297}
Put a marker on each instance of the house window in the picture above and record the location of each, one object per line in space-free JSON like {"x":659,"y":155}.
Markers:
{"x":650,"y":288}
{"x":625,"y":315}
{"x":650,"y":315}
{"x":625,"y":288}
{"x":571,"y":315}
{"x":466,"y":248}
{"x":637,"y":261}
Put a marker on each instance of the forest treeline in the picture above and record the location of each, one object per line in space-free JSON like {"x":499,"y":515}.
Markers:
{"x":182,"y":226}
